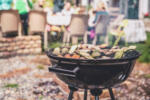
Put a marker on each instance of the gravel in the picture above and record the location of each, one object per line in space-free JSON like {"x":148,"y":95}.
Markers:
{"x":29,"y":87}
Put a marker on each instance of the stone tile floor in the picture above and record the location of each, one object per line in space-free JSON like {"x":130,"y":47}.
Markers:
{"x":27,"y":78}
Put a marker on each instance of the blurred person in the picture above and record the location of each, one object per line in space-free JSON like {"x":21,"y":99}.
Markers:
{"x":39,"y":5}
{"x":5,"y":4}
{"x":58,"y":5}
{"x":100,"y":10}
{"x":101,"y":21}
{"x":105,"y":2}
{"x":94,"y":14}
{"x":68,"y":10}
{"x":23,"y":6}
{"x":91,"y":25}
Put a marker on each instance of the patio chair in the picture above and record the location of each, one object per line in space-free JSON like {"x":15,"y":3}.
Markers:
{"x":9,"y":22}
{"x":101,"y":28}
{"x":77,"y":28}
{"x":37,"y":24}
{"x":116,"y":22}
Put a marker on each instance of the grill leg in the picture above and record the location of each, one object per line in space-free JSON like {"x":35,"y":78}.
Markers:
{"x":96,"y":97}
{"x":111,"y":94}
{"x":96,"y":93}
{"x":72,"y":90}
{"x":85,"y":94}
{"x":70,"y":95}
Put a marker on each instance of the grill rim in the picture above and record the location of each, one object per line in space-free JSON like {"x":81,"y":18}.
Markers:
{"x":112,"y":60}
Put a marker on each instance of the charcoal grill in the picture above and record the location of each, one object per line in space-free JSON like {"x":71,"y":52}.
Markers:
{"x":93,"y":74}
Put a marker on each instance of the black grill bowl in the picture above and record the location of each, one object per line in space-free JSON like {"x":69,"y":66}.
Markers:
{"x":101,"y":73}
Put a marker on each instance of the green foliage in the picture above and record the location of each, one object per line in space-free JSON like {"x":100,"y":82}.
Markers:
{"x":55,"y":44}
{"x":142,"y":47}
{"x":41,"y":97}
{"x":40,"y":67}
{"x":145,"y":50}
{"x":11,"y":86}
{"x":147,"y":17}
{"x":147,"y":76}
{"x":48,"y":3}
{"x":114,"y":41}
{"x":34,"y":1}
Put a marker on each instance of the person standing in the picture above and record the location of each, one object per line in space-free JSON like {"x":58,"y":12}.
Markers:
{"x":105,"y":3}
{"x":23,"y":6}
{"x":100,"y":10}
{"x":68,"y":10}
{"x":5,"y":4}
{"x":101,"y":22}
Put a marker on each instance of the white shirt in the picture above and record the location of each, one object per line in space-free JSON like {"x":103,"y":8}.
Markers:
{"x":67,"y":12}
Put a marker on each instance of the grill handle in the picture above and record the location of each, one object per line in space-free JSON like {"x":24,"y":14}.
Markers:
{"x":64,"y":72}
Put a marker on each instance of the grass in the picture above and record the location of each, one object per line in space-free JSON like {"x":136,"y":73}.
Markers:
{"x":139,"y":46}
{"x":144,"y":49}
{"x":147,"y":76}
{"x":147,"y":17}
{"x":41,"y":97}
{"x":40,"y":67}
{"x":11,"y":85}
{"x":55,"y":44}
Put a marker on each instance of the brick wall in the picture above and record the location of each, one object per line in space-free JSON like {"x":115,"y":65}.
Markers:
{"x":20,"y":46}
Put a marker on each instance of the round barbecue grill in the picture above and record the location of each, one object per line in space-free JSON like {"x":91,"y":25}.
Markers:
{"x":93,"y":74}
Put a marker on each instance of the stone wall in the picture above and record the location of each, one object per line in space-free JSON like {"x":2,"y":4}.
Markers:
{"x":20,"y":46}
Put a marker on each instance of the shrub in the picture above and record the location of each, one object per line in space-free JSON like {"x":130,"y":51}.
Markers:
{"x":145,"y":57}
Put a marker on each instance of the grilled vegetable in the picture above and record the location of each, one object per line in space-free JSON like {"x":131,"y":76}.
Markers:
{"x":119,"y":54}
{"x":75,"y":56}
{"x":56,"y":51}
{"x":72,"y":49}
{"x":95,"y":54}
{"x":67,"y":56}
{"x":132,"y":47}
{"x":103,"y":46}
{"x":85,"y":51}
{"x":86,"y":55}
{"x":105,"y":57}
{"x":129,"y":48}
{"x":64,"y":50}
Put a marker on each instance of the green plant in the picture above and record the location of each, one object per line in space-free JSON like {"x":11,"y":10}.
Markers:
{"x":146,"y":51}
{"x":41,"y":97}
{"x":147,"y":75}
{"x":118,"y":39}
{"x":142,"y":47}
{"x":48,"y":3}
{"x":11,"y":85}
{"x":40,"y":67}
{"x":55,"y":44}
{"x":34,"y":1}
